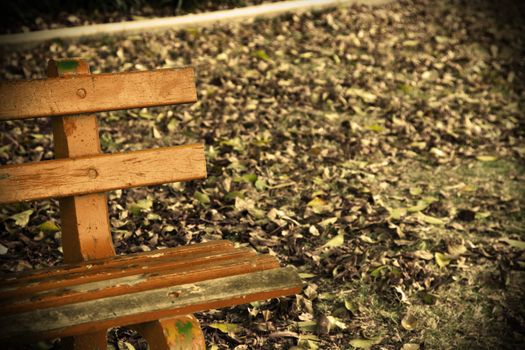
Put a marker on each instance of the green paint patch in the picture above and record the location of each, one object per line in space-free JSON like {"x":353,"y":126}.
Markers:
{"x":67,"y":66}
{"x":184,"y":328}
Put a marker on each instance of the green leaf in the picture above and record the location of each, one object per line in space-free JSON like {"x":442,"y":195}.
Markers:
{"x":337,"y":241}
{"x":262,"y":55}
{"x":250,"y":178}
{"x":48,"y":227}
{"x":350,"y":306}
{"x":365,"y":343}
{"x":22,"y":219}
{"x":415,"y":191}
{"x":397,"y":213}
{"x":377,"y":271}
{"x":235,"y":143}
{"x":422,"y":204}
{"x":442,"y":259}
{"x":260,"y":184}
{"x":230,"y":196}
{"x":203,"y":198}
{"x":226,"y":327}
{"x":141,"y":205}
{"x":307,"y":326}
{"x":430,"y":219}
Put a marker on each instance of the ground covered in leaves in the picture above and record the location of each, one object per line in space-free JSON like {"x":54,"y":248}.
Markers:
{"x":378,"y":150}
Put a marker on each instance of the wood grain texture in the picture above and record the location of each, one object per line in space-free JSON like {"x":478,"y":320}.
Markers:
{"x":117,"y":262}
{"x":157,"y":265}
{"x":86,"y":233}
{"x":101,"y":173}
{"x":91,"y":316}
{"x":77,"y":94}
{"x":137,"y":282}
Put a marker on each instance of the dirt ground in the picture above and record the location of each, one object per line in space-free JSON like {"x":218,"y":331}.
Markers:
{"x":380,"y":151}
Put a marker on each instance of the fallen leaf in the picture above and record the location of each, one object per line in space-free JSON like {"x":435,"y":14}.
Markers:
{"x":337,"y":241}
{"x":484,"y":158}
{"x":48,"y":227}
{"x":514,"y":243}
{"x":365,"y":343}
{"x":442,"y":259}
{"x":139,"y":206}
{"x":203,"y":198}
{"x":225,"y":327}
{"x":430,"y":219}
{"x":319,"y":205}
{"x":397,"y":213}
{"x":22,"y":219}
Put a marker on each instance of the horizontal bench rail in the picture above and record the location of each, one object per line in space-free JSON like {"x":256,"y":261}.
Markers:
{"x":77,"y":94}
{"x":101,"y":173}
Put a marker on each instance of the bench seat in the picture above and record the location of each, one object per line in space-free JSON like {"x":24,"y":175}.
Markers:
{"x":123,"y":290}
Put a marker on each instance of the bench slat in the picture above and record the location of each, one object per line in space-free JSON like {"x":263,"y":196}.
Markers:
{"x":101,"y":173}
{"x":153,"y":265}
{"x":96,"y":93}
{"x":94,"y":315}
{"x":57,"y":297}
{"x":92,"y":266}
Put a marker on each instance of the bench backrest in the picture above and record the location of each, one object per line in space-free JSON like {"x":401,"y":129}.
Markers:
{"x":81,"y":174}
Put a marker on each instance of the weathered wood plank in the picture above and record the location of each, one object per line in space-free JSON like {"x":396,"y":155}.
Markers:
{"x":121,"y":261}
{"x":93,"y":315}
{"x":159,"y":265}
{"x":101,"y":173}
{"x":95,"y":93}
{"x":148,"y":280}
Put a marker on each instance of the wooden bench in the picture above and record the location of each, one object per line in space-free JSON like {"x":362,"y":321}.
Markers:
{"x":153,"y":292}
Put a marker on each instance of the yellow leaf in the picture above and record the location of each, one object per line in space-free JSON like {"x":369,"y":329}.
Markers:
{"x":397,"y":213}
{"x":442,"y":259}
{"x":22,"y":219}
{"x":430,"y":219}
{"x":225,"y":327}
{"x":48,"y":227}
{"x":337,"y":241}
{"x":365,"y":343}
{"x":319,"y":205}
{"x":483,"y":158}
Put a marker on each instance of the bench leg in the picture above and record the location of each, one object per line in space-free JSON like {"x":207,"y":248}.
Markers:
{"x":91,"y":341}
{"x":176,"y":333}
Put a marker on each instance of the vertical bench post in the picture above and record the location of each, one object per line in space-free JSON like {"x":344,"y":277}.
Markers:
{"x":86,"y":233}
